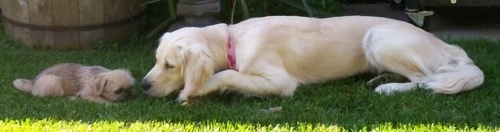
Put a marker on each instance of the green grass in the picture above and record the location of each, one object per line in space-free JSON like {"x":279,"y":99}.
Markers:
{"x":345,"y":104}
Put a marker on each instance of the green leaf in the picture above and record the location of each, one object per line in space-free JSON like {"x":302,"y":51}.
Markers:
{"x":171,"y":7}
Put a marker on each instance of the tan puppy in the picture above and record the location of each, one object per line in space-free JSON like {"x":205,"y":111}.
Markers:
{"x":93,"y":83}
{"x":274,"y":55}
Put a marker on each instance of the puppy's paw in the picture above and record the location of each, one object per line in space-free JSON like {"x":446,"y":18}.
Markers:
{"x":73,"y":97}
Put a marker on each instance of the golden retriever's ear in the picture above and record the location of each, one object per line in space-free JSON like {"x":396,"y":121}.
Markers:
{"x":196,"y":66}
{"x":100,"y":82}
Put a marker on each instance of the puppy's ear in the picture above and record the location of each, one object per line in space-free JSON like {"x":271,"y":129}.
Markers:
{"x":197,"y":66}
{"x":100,"y":83}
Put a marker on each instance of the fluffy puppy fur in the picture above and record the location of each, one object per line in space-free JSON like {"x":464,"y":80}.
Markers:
{"x":93,"y":83}
{"x":275,"y":54}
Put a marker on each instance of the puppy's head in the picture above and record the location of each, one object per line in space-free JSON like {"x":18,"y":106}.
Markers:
{"x":116,"y":85}
{"x":182,"y":59}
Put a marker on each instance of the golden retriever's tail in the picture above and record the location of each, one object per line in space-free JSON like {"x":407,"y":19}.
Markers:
{"x":452,"y":79}
{"x":24,"y":85}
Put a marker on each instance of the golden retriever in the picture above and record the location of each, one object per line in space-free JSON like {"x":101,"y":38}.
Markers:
{"x":274,"y":55}
{"x":93,"y":83}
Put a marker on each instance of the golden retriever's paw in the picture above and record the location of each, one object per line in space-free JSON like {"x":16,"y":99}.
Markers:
{"x":183,"y":101}
{"x":385,"y":89}
{"x":391,"y":88}
{"x":190,"y":102}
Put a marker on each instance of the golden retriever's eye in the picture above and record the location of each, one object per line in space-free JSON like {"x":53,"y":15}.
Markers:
{"x":119,"y":91}
{"x":168,"y":65}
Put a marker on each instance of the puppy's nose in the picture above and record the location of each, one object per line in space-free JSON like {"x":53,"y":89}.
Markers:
{"x":145,"y":84}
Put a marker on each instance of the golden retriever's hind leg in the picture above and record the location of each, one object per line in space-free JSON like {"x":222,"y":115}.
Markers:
{"x":48,"y":85}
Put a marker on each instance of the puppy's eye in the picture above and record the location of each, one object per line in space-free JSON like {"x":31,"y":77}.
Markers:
{"x":119,"y":91}
{"x":168,"y":65}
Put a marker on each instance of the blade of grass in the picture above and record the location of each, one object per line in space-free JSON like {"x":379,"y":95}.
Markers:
{"x":308,"y":8}
{"x":244,"y":8}
{"x":159,"y":27}
{"x":232,"y":11}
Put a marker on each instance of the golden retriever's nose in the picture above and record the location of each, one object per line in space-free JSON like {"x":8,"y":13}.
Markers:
{"x":145,"y":84}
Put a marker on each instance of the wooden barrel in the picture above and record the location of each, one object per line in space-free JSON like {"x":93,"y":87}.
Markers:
{"x":70,"y":24}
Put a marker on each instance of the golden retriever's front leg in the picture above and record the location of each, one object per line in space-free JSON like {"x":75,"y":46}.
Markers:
{"x":194,"y":91}
{"x":187,"y":92}
{"x":277,"y":82}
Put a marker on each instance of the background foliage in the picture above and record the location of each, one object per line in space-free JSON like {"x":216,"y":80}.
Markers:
{"x":161,"y":16}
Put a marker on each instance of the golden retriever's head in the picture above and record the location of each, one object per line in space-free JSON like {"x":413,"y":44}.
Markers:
{"x":116,"y":85}
{"x":182,"y":59}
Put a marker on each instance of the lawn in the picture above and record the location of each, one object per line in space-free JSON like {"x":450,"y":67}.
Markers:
{"x":345,"y":104}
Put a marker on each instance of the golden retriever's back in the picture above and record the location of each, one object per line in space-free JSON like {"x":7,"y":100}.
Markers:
{"x":312,"y":40}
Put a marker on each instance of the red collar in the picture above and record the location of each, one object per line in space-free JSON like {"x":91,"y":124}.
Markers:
{"x":231,"y":56}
